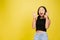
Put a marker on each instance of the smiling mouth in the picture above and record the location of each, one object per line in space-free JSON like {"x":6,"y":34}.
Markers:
{"x":41,"y":13}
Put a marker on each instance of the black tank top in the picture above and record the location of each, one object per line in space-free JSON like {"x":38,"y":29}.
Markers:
{"x":40,"y":24}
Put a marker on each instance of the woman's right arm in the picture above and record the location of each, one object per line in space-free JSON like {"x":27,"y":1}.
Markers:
{"x":34,"y":21}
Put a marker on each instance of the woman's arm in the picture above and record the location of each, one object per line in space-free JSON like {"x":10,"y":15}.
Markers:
{"x":47,"y":22}
{"x":34,"y":21}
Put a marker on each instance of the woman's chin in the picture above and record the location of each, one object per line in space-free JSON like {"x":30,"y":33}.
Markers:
{"x":41,"y":15}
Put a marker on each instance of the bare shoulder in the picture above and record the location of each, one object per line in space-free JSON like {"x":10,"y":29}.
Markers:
{"x":36,"y":17}
{"x":49,"y":19}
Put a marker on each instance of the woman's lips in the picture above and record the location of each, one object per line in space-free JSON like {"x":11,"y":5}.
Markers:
{"x":41,"y":13}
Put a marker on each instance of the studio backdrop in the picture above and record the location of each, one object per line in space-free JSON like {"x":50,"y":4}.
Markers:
{"x":16,"y":19}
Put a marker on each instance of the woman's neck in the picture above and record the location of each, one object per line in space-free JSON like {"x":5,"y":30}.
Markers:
{"x":42,"y":17}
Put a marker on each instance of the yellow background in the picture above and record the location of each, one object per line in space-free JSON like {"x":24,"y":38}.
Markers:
{"x":16,"y":19}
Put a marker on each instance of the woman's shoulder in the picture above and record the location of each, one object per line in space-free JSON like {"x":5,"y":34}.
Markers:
{"x":37,"y":17}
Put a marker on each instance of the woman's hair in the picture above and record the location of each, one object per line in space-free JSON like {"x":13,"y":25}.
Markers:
{"x":44,"y":9}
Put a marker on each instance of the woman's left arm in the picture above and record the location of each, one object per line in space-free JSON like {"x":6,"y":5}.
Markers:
{"x":47,"y":24}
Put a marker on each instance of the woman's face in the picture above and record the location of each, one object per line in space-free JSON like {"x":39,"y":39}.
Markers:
{"x":41,"y":11}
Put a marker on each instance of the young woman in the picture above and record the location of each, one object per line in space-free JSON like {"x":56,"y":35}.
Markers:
{"x":41,"y":23}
